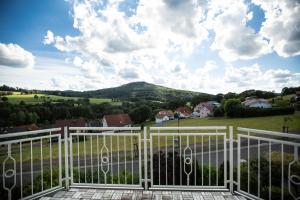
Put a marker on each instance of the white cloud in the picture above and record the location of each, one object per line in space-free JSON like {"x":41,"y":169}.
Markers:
{"x":109,"y":40}
{"x":155,"y":41}
{"x":282,"y":25}
{"x":233,"y":39}
{"x":242,"y":78}
{"x":49,"y":38}
{"x":12,"y":55}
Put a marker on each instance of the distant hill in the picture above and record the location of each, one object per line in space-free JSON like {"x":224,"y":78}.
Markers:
{"x":130,"y":91}
{"x":141,"y":90}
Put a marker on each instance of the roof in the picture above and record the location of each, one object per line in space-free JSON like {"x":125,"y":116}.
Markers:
{"x":21,"y":128}
{"x":184,"y":110}
{"x":70,"y":122}
{"x":117,"y":120}
{"x":163,"y":113}
{"x":208,"y":105}
{"x":254,"y":101}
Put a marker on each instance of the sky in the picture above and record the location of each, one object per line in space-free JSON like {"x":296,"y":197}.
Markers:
{"x":208,"y":46}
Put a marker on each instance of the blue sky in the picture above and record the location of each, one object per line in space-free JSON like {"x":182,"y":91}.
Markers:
{"x":208,"y":46}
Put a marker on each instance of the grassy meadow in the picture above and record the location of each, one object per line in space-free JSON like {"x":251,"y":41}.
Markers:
{"x":17,"y":97}
{"x":272,"y":123}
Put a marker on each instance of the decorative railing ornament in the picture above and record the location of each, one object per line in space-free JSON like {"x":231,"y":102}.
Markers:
{"x":9,"y":174}
{"x":294,"y":179}
{"x":104,"y":159}
{"x":187,"y":156}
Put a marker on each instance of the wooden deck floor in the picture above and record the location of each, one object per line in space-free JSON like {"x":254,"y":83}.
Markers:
{"x":88,"y":194}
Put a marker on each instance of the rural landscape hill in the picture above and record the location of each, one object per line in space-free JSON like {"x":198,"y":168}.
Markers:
{"x":142,"y":90}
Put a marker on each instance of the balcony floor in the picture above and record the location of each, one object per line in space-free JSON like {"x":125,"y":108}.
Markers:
{"x":75,"y":193}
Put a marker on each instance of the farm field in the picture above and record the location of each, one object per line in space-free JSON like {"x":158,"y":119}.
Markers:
{"x":29,"y":98}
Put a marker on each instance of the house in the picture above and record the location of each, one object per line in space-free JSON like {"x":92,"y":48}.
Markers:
{"x":183,"y":112}
{"x":256,"y":103}
{"x":119,"y":120}
{"x":22,"y":128}
{"x":203,"y":110}
{"x":164,"y":115}
{"x":80,"y":122}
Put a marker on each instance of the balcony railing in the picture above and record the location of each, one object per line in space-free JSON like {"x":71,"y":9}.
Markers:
{"x":255,"y":163}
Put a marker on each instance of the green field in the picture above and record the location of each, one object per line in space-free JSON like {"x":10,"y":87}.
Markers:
{"x":272,"y":123}
{"x":16,"y":97}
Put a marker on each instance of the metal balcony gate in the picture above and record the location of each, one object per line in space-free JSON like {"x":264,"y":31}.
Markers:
{"x":105,"y":157}
{"x":188,"y":158}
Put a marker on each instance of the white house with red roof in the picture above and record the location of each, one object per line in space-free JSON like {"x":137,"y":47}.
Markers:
{"x":164,"y":115}
{"x":118,"y":120}
{"x":184,"y":112}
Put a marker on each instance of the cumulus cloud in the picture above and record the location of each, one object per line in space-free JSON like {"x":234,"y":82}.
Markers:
{"x":12,"y":55}
{"x":49,"y":38}
{"x":233,"y":39}
{"x":282,"y":25}
{"x":154,"y":41}
{"x":253,"y":76}
{"x":109,"y":39}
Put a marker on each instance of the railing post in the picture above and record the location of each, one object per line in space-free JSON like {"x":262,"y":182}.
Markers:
{"x":66,"y":157}
{"x":231,"y":158}
{"x":145,"y":159}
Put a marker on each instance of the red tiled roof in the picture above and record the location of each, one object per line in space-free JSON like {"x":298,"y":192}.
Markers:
{"x":29,"y":127}
{"x":184,"y":110}
{"x":164,"y":113}
{"x":22,"y":128}
{"x":117,"y":120}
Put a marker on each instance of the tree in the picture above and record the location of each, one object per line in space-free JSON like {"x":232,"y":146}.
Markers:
{"x":175,"y":103}
{"x":140,"y":114}
{"x":232,"y":107}
{"x":4,"y":99}
{"x":200,"y":98}
{"x":17,"y":118}
{"x":36,"y":96}
{"x":231,"y":95}
{"x":219,"y":97}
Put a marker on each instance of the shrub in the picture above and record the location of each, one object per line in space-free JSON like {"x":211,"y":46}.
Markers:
{"x":233,"y":108}
{"x":260,"y":112}
{"x":159,"y":161}
{"x":219,"y":112}
{"x":264,"y":176}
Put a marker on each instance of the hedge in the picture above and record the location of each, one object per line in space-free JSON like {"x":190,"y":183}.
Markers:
{"x":260,"y":112}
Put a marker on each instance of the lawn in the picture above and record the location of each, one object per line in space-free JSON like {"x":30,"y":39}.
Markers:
{"x":272,"y":123}
{"x":16,"y":97}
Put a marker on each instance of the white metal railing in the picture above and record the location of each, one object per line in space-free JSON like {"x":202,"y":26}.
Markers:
{"x":188,"y":157}
{"x":105,"y":157}
{"x":258,"y":164}
{"x":29,"y":160}
{"x":268,"y":164}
